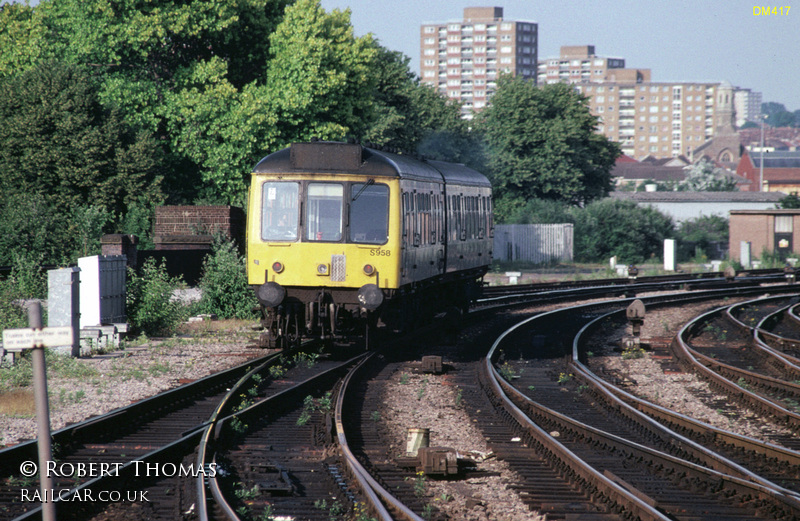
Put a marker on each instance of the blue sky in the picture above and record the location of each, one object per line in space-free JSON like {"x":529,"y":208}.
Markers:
{"x":678,"y":40}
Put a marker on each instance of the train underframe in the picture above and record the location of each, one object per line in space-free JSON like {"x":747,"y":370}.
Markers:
{"x":336,"y":314}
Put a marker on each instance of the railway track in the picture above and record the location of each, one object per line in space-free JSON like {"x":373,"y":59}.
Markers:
{"x":565,"y":404}
{"x":150,"y":446}
{"x":272,"y":467}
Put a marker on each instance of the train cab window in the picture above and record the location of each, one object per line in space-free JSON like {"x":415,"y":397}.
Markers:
{"x":369,"y":213}
{"x":324,"y":201}
{"x":279,"y":211}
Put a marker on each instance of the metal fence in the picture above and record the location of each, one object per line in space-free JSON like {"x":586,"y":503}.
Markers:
{"x":536,"y":243}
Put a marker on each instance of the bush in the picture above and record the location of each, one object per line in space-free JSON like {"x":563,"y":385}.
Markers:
{"x":151,"y":308}
{"x":224,"y":283}
{"x":704,"y":234}
{"x":27,"y":281}
{"x":611,"y":227}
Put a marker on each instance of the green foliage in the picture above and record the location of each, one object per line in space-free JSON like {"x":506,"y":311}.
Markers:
{"x":224,"y":283}
{"x":771,"y":259}
{"x":11,"y":314}
{"x":542,"y":211}
{"x":699,"y":234}
{"x":27,"y":281}
{"x":604,"y":228}
{"x":703,"y":176}
{"x":777,"y":115}
{"x":320,"y":80}
{"x":67,"y":164}
{"x":612,"y":227}
{"x":541,"y":143}
{"x":790,"y":201}
{"x":412,"y":116}
{"x":150,"y":306}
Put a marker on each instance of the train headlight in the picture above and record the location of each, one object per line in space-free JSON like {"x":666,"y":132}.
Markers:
{"x":277,"y":267}
{"x":271,"y":294}
{"x":323,"y":269}
{"x":370,"y":297}
{"x":369,"y":269}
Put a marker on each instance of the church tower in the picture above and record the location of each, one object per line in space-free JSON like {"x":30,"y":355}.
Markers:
{"x":724,"y":112}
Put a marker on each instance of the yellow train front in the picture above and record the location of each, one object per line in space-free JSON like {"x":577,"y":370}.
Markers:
{"x":340,"y":236}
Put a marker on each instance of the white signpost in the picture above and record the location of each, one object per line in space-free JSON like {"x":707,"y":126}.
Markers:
{"x":15,"y":340}
{"x":37,"y":338}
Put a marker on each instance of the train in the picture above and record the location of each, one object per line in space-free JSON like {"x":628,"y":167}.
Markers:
{"x":343,"y":238}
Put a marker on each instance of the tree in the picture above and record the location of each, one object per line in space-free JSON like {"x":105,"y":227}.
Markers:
{"x":22,"y":38}
{"x":699,"y":235}
{"x":541,"y":143}
{"x":612,"y":227}
{"x":320,"y":79}
{"x":778,"y":116}
{"x":703,"y":176}
{"x":63,"y":152}
{"x":158,"y":62}
{"x":406,"y":112}
{"x":790,"y":201}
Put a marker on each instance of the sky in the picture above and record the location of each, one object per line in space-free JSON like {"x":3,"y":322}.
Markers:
{"x":678,"y":40}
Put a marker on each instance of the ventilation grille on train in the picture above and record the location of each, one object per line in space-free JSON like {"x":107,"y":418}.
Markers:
{"x":338,"y":268}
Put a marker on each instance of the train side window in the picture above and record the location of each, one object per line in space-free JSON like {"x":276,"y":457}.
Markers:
{"x":369,"y":213}
{"x":406,"y":224}
{"x":279,"y":211}
{"x":324,"y":201}
{"x":417,"y":217}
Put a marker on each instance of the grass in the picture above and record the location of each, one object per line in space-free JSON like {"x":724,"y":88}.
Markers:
{"x":18,"y":403}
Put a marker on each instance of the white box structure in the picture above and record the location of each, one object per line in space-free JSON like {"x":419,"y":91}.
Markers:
{"x":669,"y":254}
{"x":102,"y":290}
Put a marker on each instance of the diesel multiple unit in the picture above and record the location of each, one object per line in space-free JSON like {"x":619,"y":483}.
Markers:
{"x":340,"y":235}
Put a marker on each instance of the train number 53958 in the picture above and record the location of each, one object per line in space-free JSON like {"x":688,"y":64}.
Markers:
{"x":380,"y":253}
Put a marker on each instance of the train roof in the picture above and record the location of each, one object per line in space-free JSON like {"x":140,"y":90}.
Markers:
{"x":350,"y":158}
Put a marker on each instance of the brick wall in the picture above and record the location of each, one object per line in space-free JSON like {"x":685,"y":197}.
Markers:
{"x":193,"y":227}
{"x":758,"y":228}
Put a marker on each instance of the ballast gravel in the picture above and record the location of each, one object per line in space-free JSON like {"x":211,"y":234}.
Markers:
{"x":120,"y":378}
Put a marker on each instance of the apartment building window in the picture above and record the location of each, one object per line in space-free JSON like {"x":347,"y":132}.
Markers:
{"x":506,"y":26}
{"x":429,"y":29}
{"x":480,"y":27}
{"x":429,"y":52}
{"x":505,"y":38}
{"x":429,"y":74}
{"x":505,"y":50}
{"x":454,"y":38}
{"x":430,"y":63}
{"x":454,"y":27}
